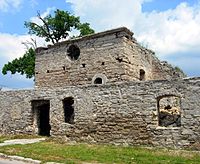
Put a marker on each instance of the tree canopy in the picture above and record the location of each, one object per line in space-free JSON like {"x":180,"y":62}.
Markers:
{"x":53,"y":28}
{"x":57,"y":27}
{"x":23,"y":65}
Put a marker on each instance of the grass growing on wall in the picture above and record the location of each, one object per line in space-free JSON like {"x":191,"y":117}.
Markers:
{"x":77,"y":153}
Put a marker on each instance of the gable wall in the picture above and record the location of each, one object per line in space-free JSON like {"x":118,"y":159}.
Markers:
{"x":93,"y":52}
{"x":114,"y":56}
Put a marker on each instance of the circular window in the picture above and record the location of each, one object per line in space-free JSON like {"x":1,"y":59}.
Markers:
{"x":73,"y":52}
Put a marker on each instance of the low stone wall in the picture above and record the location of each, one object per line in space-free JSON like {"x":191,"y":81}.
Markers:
{"x":123,"y":113}
{"x":15,"y":112}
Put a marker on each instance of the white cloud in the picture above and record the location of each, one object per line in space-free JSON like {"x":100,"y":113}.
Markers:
{"x":166,"y":32}
{"x":5,"y":5}
{"x":47,"y":12}
{"x":106,"y":14}
{"x":172,"y":31}
{"x":33,"y":3}
{"x":11,"y":46}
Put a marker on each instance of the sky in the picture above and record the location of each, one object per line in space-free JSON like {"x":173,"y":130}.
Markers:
{"x":171,"y":28}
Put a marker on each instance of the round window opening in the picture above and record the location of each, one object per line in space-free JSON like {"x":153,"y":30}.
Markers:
{"x":98,"y":81}
{"x":73,"y":52}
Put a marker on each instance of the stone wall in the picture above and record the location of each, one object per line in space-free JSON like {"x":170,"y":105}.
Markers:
{"x":15,"y":112}
{"x":123,"y":113}
{"x":100,"y":56}
{"x":141,"y":58}
{"x":113,"y":56}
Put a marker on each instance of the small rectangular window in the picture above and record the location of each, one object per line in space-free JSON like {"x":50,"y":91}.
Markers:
{"x":142,"y":75}
{"x":68,"y":106}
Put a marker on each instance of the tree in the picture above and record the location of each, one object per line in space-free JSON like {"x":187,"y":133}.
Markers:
{"x":57,"y":27}
{"x":23,"y":65}
{"x":53,"y":29}
{"x":85,"y":29}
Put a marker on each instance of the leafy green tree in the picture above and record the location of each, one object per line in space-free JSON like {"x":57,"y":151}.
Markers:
{"x":85,"y":29}
{"x":23,"y":65}
{"x":57,"y":27}
{"x":53,"y":28}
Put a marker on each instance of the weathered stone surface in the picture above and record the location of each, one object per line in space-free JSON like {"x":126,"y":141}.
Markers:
{"x":21,"y":141}
{"x":113,"y":56}
{"x":123,"y":113}
{"x":127,"y":108}
{"x":7,"y":159}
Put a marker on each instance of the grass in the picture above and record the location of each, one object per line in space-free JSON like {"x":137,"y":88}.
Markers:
{"x":52,"y":150}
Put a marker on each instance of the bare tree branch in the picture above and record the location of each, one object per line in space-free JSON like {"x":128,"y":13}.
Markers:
{"x":31,"y":43}
{"x":47,"y":27}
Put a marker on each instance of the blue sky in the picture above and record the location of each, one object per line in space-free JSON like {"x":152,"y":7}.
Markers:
{"x":170,"y":28}
{"x":24,"y":12}
{"x":161,"y":5}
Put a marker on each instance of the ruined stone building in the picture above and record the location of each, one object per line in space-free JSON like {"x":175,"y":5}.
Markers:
{"x":105,"y":88}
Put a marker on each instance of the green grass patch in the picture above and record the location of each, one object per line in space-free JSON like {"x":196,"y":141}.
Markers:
{"x":62,"y":152}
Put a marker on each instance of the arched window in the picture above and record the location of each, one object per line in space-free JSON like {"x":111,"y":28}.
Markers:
{"x":73,"y":52}
{"x":142,"y":75}
{"x":98,"y":80}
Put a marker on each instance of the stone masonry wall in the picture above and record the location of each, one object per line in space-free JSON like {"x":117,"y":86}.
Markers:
{"x":113,"y":56}
{"x":15,"y":112}
{"x":99,"y":57}
{"x":124,"y":113}
{"x":141,"y":58}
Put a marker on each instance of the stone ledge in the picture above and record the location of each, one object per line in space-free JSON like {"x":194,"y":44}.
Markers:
{"x":18,"y":158}
{"x":167,"y":128}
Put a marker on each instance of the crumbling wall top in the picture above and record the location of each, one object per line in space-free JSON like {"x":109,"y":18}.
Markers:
{"x":125,"y":32}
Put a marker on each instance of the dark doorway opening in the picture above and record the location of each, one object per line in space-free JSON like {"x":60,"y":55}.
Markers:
{"x":68,"y":106}
{"x":43,"y":117}
{"x":41,"y":110}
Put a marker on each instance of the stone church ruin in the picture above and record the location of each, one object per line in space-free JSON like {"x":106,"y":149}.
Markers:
{"x":105,"y":88}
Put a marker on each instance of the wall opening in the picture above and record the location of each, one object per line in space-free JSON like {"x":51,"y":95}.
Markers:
{"x":127,"y":37}
{"x":83,"y":65}
{"x":119,"y":60}
{"x":68,"y":106}
{"x":142,"y":75}
{"x":169,"y":112}
{"x":98,"y":80}
{"x":41,"y":109}
{"x":73,"y":52}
